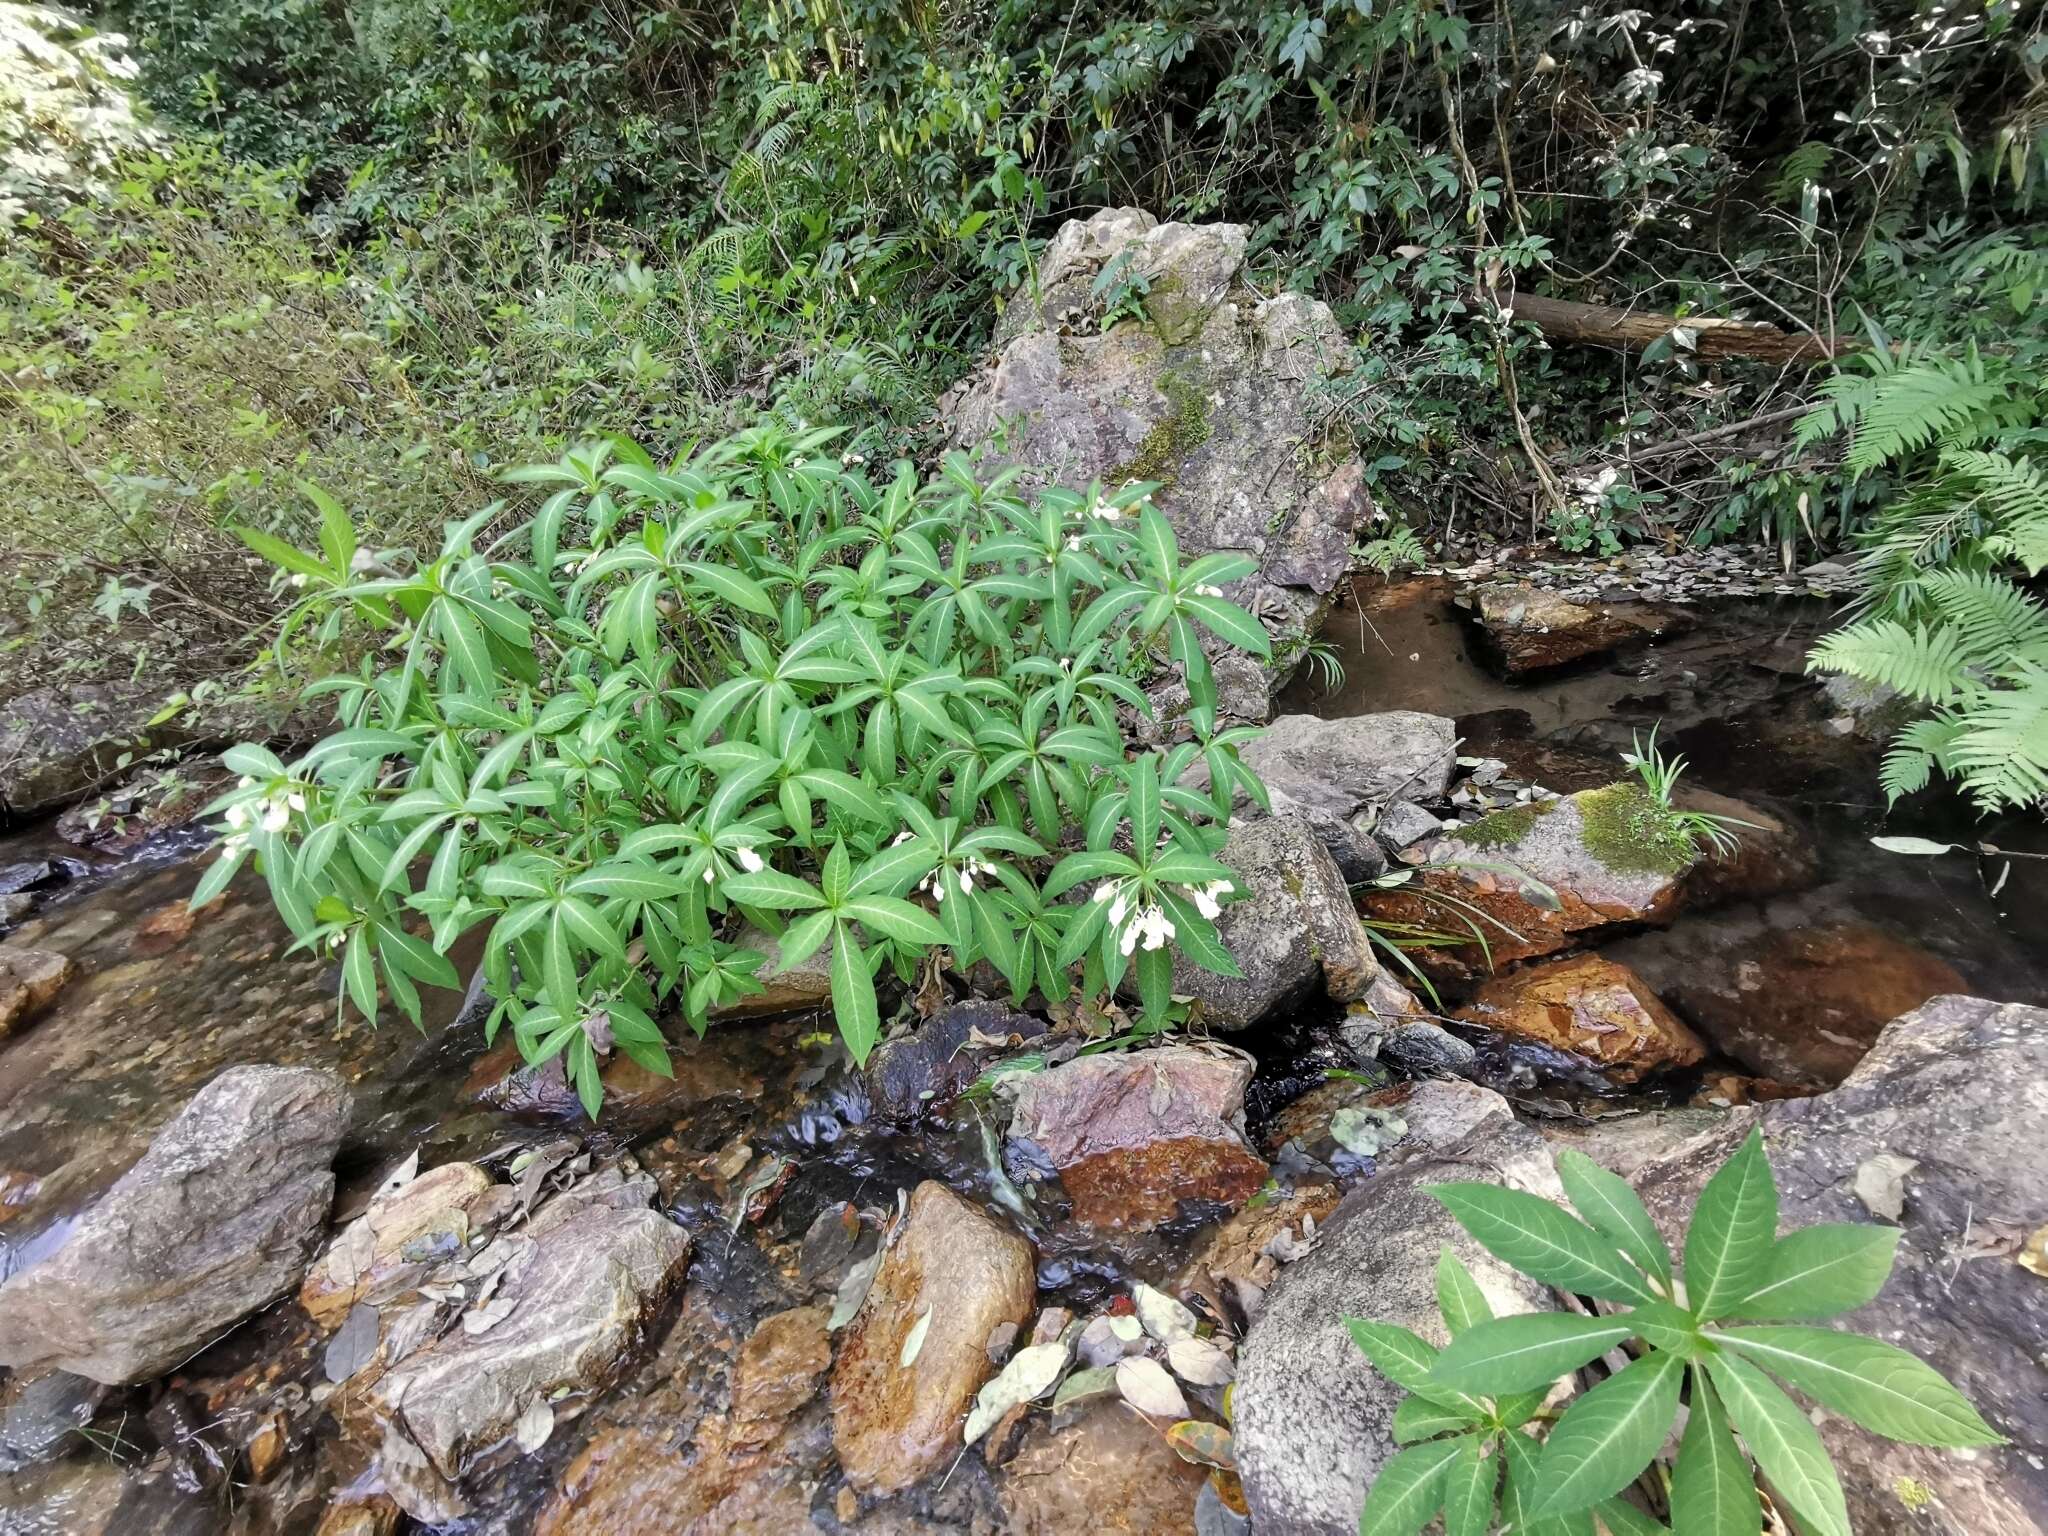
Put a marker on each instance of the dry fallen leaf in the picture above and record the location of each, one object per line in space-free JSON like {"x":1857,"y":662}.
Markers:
{"x":913,"y":1341}
{"x":1095,"y":1381}
{"x":353,"y":1253}
{"x":1147,"y":1388}
{"x":534,"y":1426}
{"x":354,"y":1345}
{"x":400,"y":1176}
{"x":1881,"y":1184}
{"x":2034,"y":1256}
{"x":1028,"y":1377}
{"x":1200,"y":1363}
{"x":486,"y":1317}
{"x":1207,"y":1445}
{"x":1161,"y":1316}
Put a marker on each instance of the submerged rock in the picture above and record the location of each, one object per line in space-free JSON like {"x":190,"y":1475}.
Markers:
{"x":1335,"y":775}
{"x":929,"y":1067}
{"x":426,"y":1220}
{"x":1208,"y":395}
{"x":1314,"y":1420}
{"x":1132,"y":1134}
{"x":30,"y":980}
{"x":954,"y":1272}
{"x":1541,"y":876}
{"x":1591,"y":1007}
{"x":1799,"y":1004}
{"x":1108,"y":1471}
{"x":39,"y":1415}
{"x":579,"y":1280}
{"x":1296,"y":933}
{"x":1530,"y":630}
{"x":217,"y":1219}
{"x":1389,"y":1024}
{"x":1957,"y":1093}
{"x":634,"y":1097}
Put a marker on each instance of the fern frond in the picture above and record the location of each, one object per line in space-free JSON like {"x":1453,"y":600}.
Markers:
{"x":1905,"y":411}
{"x":1996,"y":623}
{"x":1926,"y":664}
{"x":2001,"y":752}
{"x":2014,"y":493}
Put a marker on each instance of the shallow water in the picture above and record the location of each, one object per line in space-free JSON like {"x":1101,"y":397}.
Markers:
{"x":155,"y":1013}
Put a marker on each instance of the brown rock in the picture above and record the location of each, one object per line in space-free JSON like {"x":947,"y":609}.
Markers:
{"x":30,"y":980}
{"x":1530,"y":630}
{"x":1771,"y":856}
{"x":634,"y":1097}
{"x":266,"y":1448}
{"x":780,"y":1364}
{"x":171,"y":924}
{"x":894,"y":1424}
{"x":784,"y":989}
{"x":372,"y":1516}
{"x":1108,"y":1472}
{"x":1132,"y":1134}
{"x":439,"y":1200}
{"x":1590,"y":1007}
{"x":630,"y":1482}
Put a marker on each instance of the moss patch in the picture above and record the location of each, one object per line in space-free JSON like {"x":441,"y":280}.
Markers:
{"x":1183,"y":429}
{"x":1505,"y":828}
{"x":1627,"y":830}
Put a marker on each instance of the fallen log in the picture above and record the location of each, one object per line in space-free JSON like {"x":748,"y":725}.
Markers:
{"x":1629,"y":330}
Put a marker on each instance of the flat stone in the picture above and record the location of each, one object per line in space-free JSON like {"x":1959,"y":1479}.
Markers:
{"x":784,"y":988}
{"x":958,"y":1273}
{"x":1296,"y":934}
{"x":218,"y":1219}
{"x":1133,"y":1134}
{"x":1530,"y":630}
{"x":1958,"y":1089}
{"x":634,"y":1098}
{"x":30,"y":980}
{"x":1591,"y":1007}
{"x":575,"y":1305}
{"x":39,"y":1416}
{"x":437,"y":1202}
{"x":1337,"y":774}
{"x":1107,"y":1471}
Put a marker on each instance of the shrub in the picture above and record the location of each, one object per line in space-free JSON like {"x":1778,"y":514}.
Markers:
{"x":748,"y":686}
{"x":1739,"y":1310}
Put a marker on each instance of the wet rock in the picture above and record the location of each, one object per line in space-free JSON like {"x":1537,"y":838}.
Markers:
{"x":634,"y":1098}
{"x":1132,"y":1134}
{"x":835,"y":1240}
{"x":1209,"y":396}
{"x":1591,"y":1007}
{"x":1389,"y":1024}
{"x":39,"y":1416}
{"x":950,"y":1263}
{"x":929,"y":1067}
{"x":1336,"y":774}
{"x":1382,"y":1126}
{"x":780,"y":1366}
{"x":1543,"y":875}
{"x":784,"y":988}
{"x":149,"y":802}
{"x":1799,"y":1004}
{"x":374,"y":1249}
{"x":1107,"y":1471}
{"x":30,"y":980}
{"x":1954,"y":1088}
{"x":1313,"y":1419}
{"x":373,"y":1515}
{"x":1771,"y":856}
{"x":1869,"y":710}
{"x":218,"y":1218}
{"x":636,"y":1482}
{"x":1241,"y":1257}
{"x":30,"y":875}
{"x":16,"y":909}
{"x":1295,"y":934}
{"x":580,"y":1281}
{"x":1530,"y":630}
{"x":1402,"y":823}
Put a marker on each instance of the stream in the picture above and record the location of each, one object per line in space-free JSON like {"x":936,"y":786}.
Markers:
{"x":163,"y":1001}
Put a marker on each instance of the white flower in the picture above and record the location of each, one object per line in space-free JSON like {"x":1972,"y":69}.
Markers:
{"x":1117,"y":909}
{"x":901,"y":838}
{"x":276,"y":816}
{"x":334,"y":940}
{"x":298,"y":578}
{"x":710,"y":873}
{"x":1074,"y":541}
{"x":1105,"y":890}
{"x":295,"y":800}
{"x":1204,"y":897}
{"x":966,"y":882}
{"x":749,"y":860}
{"x":238,"y":816}
{"x":1207,"y":590}
{"x":245,"y":782}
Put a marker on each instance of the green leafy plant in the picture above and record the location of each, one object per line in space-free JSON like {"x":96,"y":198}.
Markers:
{"x":750,"y":692}
{"x":1660,"y":776}
{"x":1711,"y":1334}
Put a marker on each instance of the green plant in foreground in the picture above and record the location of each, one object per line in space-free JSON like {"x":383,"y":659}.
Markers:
{"x":1472,"y":1406}
{"x":1660,"y":777}
{"x":751,"y":691}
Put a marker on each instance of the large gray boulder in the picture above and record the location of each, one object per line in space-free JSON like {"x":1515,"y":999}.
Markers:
{"x":1940,"y":1128}
{"x":1314,"y":1420}
{"x":218,"y":1219}
{"x":1295,"y":935}
{"x":1207,"y":394}
{"x":1337,"y":775}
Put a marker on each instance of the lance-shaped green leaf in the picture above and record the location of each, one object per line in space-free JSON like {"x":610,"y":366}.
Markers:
{"x":1819,"y":1271}
{"x":1469,"y":1483}
{"x":1608,"y":1435}
{"x":1613,"y":1210}
{"x":1784,"y":1442}
{"x":1458,"y":1295}
{"x":1540,"y":1240}
{"x":1521,"y":1353}
{"x":1733,"y":1229}
{"x":1519,"y":1499}
{"x":1408,"y":1490}
{"x":1878,"y":1385}
{"x":1406,"y":1359}
{"x":1713,"y":1492}
{"x":853,"y":995}
{"x":1417,"y":1418}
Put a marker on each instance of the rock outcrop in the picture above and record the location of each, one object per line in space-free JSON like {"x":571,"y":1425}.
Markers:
{"x":1938,"y":1130}
{"x":1337,"y":775}
{"x":30,"y":980}
{"x":1297,"y":932}
{"x":1314,"y":1420}
{"x":1529,"y":630}
{"x":1206,"y":394}
{"x":1132,"y":1134}
{"x":217,"y":1219}
{"x":954,"y":1273}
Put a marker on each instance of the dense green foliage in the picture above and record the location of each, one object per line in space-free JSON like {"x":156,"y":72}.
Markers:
{"x":1740,"y":1308}
{"x":678,"y":703}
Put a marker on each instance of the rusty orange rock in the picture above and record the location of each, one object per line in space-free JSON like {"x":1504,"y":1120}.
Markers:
{"x":1592,"y":1007}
